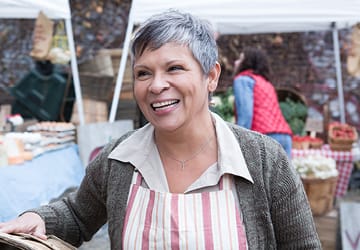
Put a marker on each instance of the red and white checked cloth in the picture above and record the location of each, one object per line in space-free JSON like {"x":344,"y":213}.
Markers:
{"x":344,"y":164}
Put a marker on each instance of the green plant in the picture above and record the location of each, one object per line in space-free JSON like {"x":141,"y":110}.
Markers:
{"x":295,"y":114}
{"x":223,"y":104}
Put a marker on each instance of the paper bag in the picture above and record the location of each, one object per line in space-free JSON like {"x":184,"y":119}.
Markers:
{"x":42,"y":37}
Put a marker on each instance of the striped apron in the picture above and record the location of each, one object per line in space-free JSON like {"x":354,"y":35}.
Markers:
{"x":160,"y":220}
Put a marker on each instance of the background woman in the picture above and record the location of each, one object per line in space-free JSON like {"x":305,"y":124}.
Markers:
{"x":256,"y":103}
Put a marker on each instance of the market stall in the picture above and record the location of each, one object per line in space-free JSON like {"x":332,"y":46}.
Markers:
{"x":252,"y":17}
{"x":56,"y":9}
{"x":41,"y":160}
{"x":37,"y":182}
{"x":340,"y":145}
{"x":34,"y":167}
{"x":38,"y":162}
{"x":344,"y":164}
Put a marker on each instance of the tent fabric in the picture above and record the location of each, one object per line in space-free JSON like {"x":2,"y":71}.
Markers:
{"x":252,"y":17}
{"x":260,"y":16}
{"x":54,"y":9}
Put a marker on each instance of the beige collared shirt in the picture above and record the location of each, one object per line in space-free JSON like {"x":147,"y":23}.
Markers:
{"x":140,"y":150}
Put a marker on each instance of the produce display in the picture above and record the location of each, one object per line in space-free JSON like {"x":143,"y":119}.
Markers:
{"x":295,"y":114}
{"x":340,"y":131}
{"x":341,"y":136}
{"x":306,"y":142}
{"x":223,"y":104}
{"x":315,"y":166}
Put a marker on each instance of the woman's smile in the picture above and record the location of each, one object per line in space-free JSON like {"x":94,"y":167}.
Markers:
{"x":164,"y":104}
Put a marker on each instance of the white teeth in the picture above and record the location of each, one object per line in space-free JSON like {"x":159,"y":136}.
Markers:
{"x":161,"y":104}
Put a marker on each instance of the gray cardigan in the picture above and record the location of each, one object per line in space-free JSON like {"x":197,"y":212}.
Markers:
{"x":275,"y":208}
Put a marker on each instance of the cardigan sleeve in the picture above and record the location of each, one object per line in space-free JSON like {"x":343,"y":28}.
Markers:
{"x":292,"y":218}
{"x":275,"y":208}
{"x":78,"y":216}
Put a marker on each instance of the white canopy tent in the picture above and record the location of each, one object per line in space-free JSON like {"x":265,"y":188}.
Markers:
{"x":251,"y":17}
{"x":54,"y":9}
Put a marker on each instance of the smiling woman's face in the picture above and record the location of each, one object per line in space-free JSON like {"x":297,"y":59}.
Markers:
{"x":170,"y":87}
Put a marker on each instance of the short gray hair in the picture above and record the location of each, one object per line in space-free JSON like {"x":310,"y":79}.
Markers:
{"x":181,"y":28}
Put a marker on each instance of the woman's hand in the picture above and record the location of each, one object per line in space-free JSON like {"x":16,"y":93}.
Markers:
{"x":29,"y":223}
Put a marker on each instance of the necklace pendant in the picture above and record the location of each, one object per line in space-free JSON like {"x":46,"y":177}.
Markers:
{"x":182,"y":162}
{"x":182,"y":165}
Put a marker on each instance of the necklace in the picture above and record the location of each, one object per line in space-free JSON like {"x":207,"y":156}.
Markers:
{"x":183,"y":162}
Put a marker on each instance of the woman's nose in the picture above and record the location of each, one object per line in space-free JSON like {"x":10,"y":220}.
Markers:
{"x":158,"y":85}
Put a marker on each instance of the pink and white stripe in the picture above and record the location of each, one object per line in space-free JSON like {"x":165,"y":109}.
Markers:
{"x":158,"y":220}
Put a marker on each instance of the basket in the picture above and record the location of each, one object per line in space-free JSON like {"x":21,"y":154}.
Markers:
{"x":306,"y":142}
{"x":320,"y":193}
{"x":285,"y":92}
{"x":316,"y":144}
{"x":301,"y":145}
{"x":341,"y":143}
{"x":336,"y":146}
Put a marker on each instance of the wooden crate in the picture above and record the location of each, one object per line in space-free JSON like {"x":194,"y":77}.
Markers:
{"x":94,"y":111}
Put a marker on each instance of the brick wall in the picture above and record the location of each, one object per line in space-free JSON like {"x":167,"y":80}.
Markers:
{"x":305,"y":62}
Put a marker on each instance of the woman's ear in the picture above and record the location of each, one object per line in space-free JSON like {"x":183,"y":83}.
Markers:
{"x":214,"y":75}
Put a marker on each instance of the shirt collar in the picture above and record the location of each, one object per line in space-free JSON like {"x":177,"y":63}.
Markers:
{"x":231,"y":158}
{"x":136,"y":148}
{"x":139,"y":150}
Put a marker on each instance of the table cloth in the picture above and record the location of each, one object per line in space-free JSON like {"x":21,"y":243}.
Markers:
{"x":344,"y":164}
{"x":38,"y":181}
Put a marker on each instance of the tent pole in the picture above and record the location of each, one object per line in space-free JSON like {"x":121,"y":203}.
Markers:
{"x":338,"y":72}
{"x":124,"y":56}
{"x":74,"y":70}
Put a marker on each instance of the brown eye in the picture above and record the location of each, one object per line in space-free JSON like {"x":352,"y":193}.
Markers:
{"x":141,"y":73}
{"x":175,"y":68}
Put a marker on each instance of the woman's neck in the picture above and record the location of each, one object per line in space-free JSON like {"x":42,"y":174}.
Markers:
{"x":185,"y":141}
